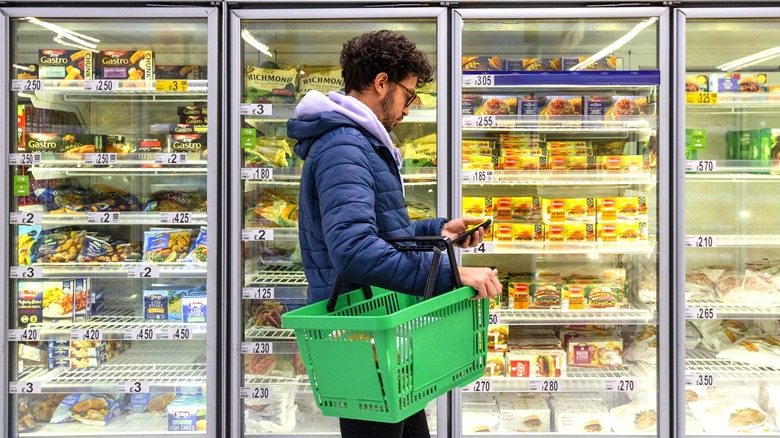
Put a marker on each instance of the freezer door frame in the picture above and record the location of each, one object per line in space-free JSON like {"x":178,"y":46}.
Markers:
{"x":215,"y":337}
{"x":665,"y":371}
{"x":235,"y":17}
{"x":5,"y":129}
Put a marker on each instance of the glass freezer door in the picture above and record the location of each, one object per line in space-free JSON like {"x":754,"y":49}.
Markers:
{"x":732,"y":240}
{"x":278,"y":57}
{"x":109,"y":281}
{"x":562,"y":144}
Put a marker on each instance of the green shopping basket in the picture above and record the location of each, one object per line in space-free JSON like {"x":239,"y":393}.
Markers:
{"x":381,"y":355}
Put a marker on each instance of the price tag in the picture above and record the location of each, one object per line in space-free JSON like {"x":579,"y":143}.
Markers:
{"x":177,"y":334}
{"x":24,"y":387}
{"x":700,"y":241}
{"x":139,"y":334}
{"x":701,"y":98}
{"x":257,"y":293}
{"x":477,"y":176}
{"x":701,"y":166}
{"x":24,"y":159}
{"x":176,"y":217}
{"x":257,"y":348}
{"x":100,"y":159}
{"x":143,"y":271}
{"x":479,"y":80}
{"x":256,"y":109}
{"x":26,"y":272}
{"x":700,"y":380}
{"x":481,"y":385}
{"x":26,"y":85}
{"x":170,"y":158}
{"x":133,"y":387}
{"x":108,"y":217}
{"x":18,"y":218}
{"x":257,"y":234}
{"x":86,"y":335}
{"x":480,"y":122}
{"x":621,"y":385}
{"x":494,"y":319}
{"x":256,"y":392}
{"x":30,"y":334}
{"x":101,"y":85}
{"x":545,"y":385}
{"x":482,"y":248}
{"x":180,"y":85}
{"x":701,"y":313}
{"x":260,"y":173}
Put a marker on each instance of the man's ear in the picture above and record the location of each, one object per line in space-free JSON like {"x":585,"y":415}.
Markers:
{"x":381,"y":84}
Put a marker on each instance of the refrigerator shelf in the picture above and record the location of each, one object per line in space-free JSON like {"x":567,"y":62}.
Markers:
{"x":277,"y":275}
{"x":280,"y":113}
{"x":122,"y":426}
{"x":734,"y":310}
{"x":284,"y":385}
{"x":642,"y":248}
{"x":126,"y":218}
{"x":700,"y":361}
{"x":118,"y":270}
{"x":552,"y":177}
{"x":116,"y":328}
{"x":730,"y":240}
{"x":554,"y":317}
{"x":560,"y":124}
{"x":736,"y":103}
{"x":65,"y":172}
{"x":737,"y":171}
{"x":272,"y":334}
{"x":293,"y":175}
{"x":143,"y":161}
{"x":578,"y":379}
{"x":85,"y":90}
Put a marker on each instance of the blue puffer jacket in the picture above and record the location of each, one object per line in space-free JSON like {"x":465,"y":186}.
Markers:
{"x":351,"y":198}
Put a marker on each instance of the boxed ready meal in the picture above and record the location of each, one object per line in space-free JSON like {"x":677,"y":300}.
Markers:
{"x":545,"y":295}
{"x":480,"y":63}
{"x":532,"y":64}
{"x":574,"y":416}
{"x":554,"y":106}
{"x":133,"y":65}
{"x":66,"y":64}
{"x":488,"y":105}
{"x":595,"y":352}
{"x":612,"y":107}
{"x":536,"y":363}
{"x":496,"y":366}
{"x":180,"y":71}
{"x":698,"y":83}
{"x":738,"y":83}
{"x":523,"y":414}
{"x":187,"y":413}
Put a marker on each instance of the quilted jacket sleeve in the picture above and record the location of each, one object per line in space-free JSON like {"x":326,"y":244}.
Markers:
{"x":346,"y":189}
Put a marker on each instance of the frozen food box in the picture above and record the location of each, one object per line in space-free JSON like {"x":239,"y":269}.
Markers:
{"x":26,"y":71}
{"x":553,"y":106}
{"x":698,"y":83}
{"x":192,"y":110}
{"x":132,"y":144}
{"x":604,"y":295}
{"x":622,"y":162}
{"x":527,"y":208}
{"x":595,"y":352}
{"x":45,"y":142}
{"x":477,"y":206}
{"x":488,"y":105}
{"x":532,"y":64}
{"x":570,"y":232}
{"x":195,"y":143}
{"x":574,"y":296}
{"x":180,"y":71}
{"x":503,"y":232}
{"x":498,"y":335}
{"x":580,"y":416}
{"x":545,"y":295}
{"x":523,"y":414}
{"x":66,"y":64}
{"x":527,"y":233}
{"x":613,"y":107}
{"x":479,"y":162}
{"x":571,"y":162}
{"x":518,"y":291}
{"x":496,"y":366}
{"x":481,"y":63}
{"x":53,"y":301}
{"x":558,"y":210}
{"x":604,"y":64}
{"x":622,"y":208}
{"x":187,"y":413}
{"x":502,"y":208}
{"x":155,"y":304}
{"x":133,"y":65}
{"x":739,"y":83}
{"x":548,"y":363}
{"x":695,"y":138}
{"x":523,"y":162}
{"x":266,"y":85}
{"x":194,"y":309}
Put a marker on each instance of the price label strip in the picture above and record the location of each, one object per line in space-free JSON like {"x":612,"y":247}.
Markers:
{"x":133,"y":387}
{"x":257,"y":293}
{"x":176,"y":217}
{"x":701,"y":313}
{"x":477,"y":176}
{"x":479,"y":80}
{"x":257,"y":348}
{"x":24,"y":387}
{"x":177,"y":334}
{"x":545,"y":385}
{"x":86,"y":335}
{"x":170,"y":158}
{"x":257,"y":234}
{"x":480,"y":122}
{"x":102,"y":85}
{"x":140,"y":334}
{"x":18,"y":218}
{"x":257,"y":173}
{"x":621,"y":385}
{"x":143,"y":271}
{"x":27,"y":85}
{"x":700,"y":242}
{"x":175,"y":85}
{"x":24,"y":159}
{"x":256,"y":392}
{"x":256,"y":109}
{"x":481,"y":385}
{"x":26,"y":272}
{"x":701,"y":98}
{"x":482,"y":248}
{"x":701,"y":166}
{"x":30,"y":334}
{"x":700,"y":380}
{"x":100,"y":159}
{"x":108,"y":217}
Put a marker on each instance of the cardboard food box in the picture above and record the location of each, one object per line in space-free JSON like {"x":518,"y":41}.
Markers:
{"x":698,"y":83}
{"x":155,"y":304}
{"x":187,"y":413}
{"x":622,"y":208}
{"x":519,"y":293}
{"x":605,"y":295}
{"x":545,"y":295}
{"x":738,"y":83}
{"x":503,"y":232}
{"x":524,"y":162}
{"x":496,"y":366}
{"x":523,"y":414}
{"x":195,"y":143}
{"x":595,"y":352}
{"x":622,"y":162}
{"x":586,"y":416}
{"x":132,"y":144}
{"x":577,"y":210}
{"x":607,"y":63}
{"x":571,"y":162}
{"x":130,"y":65}
{"x":66,"y":64}
{"x":574,"y":296}
{"x":614,"y":107}
{"x":527,"y":233}
{"x":552,"y":106}
{"x":527,"y":209}
{"x":498,"y":336}
{"x":477,"y":206}
{"x":536,"y":363}
{"x":481,"y":63}
{"x":532,"y":64}
{"x":180,"y":71}
{"x":194,"y":309}
{"x":489,"y":105}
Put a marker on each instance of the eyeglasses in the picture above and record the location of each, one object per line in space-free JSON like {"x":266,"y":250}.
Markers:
{"x":412,"y":95}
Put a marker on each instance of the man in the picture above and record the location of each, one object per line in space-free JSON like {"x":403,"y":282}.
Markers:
{"x":352,"y":196}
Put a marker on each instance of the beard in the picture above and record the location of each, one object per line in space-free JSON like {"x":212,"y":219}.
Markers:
{"x":386,"y":105}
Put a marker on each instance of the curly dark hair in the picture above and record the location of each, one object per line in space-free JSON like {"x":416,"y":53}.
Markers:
{"x":365,"y":56}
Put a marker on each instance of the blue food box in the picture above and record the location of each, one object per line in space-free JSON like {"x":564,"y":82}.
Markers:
{"x":187,"y":414}
{"x":194,"y":309}
{"x":156,"y":304}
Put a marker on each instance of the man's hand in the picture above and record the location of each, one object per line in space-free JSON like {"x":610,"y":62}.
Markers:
{"x":457,"y":226}
{"x":484,"y":280}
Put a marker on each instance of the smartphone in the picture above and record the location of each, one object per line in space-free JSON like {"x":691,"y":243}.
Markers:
{"x":470,"y":230}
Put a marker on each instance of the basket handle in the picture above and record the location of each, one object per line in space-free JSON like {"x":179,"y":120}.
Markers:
{"x":436,"y":244}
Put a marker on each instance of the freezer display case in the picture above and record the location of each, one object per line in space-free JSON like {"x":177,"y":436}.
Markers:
{"x":562,"y":140}
{"x":728,"y":283}
{"x":277,"y":57}
{"x":110,"y":284}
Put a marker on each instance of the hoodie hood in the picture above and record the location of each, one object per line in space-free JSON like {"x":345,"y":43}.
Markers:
{"x":317,"y":114}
